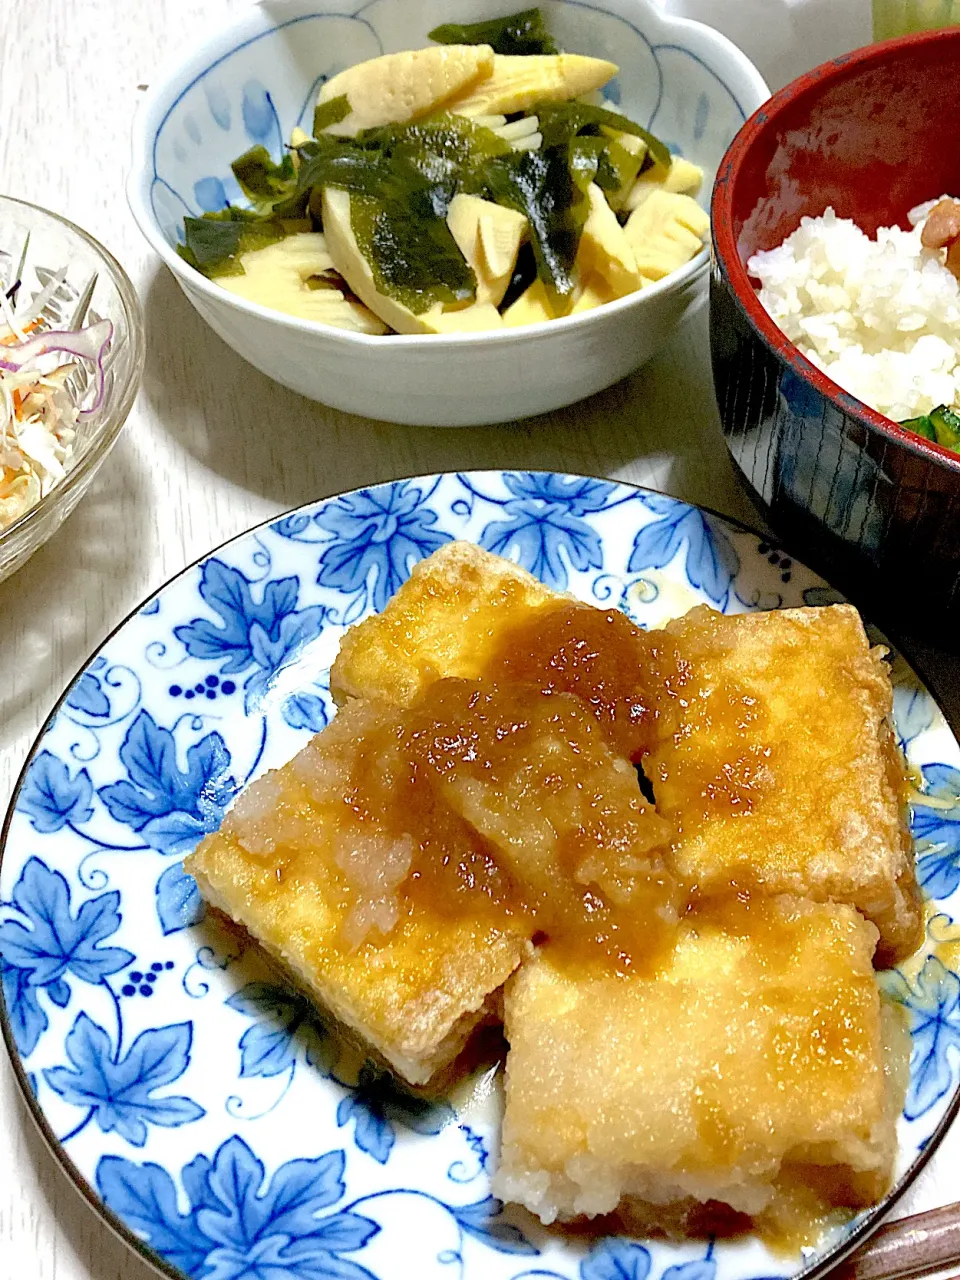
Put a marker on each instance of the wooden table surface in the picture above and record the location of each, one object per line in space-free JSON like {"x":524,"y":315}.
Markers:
{"x":213,"y":447}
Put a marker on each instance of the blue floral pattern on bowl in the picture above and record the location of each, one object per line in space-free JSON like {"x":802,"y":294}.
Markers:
{"x":211,"y":1111}
{"x":259,"y":90}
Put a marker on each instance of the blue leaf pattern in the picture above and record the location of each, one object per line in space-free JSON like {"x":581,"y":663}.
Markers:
{"x":936,"y":829}
{"x":304,"y":711}
{"x":171,"y":808}
{"x":120,"y":1090}
{"x":545,"y":519}
{"x":382,"y":532}
{"x":179,"y":904}
{"x":913,"y":713}
{"x":933,"y":1006}
{"x":28,"y":1021}
{"x":238,"y":1228}
{"x":87,"y":695}
{"x":485,"y":1222}
{"x":615,"y":1259}
{"x":268,"y":635}
{"x":377,"y":1102}
{"x":49,"y":940}
{"x":712,"y":562}
{"x":145,"y":1197}
{"x":51,"y":798}
{"x":286,"y":1029}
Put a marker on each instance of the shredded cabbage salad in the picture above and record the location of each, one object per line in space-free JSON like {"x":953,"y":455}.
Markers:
{"x":39,"y":404}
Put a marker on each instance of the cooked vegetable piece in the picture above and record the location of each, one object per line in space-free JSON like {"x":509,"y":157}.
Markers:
{"x":946,"y":426}
{"x":515,"y":84}
{"x":535,"y":305}
{"x":560,"y":121}
{"x":680,"y":176}
{"x":594,"y":292}
{"x":479,"y":315}
{"x":665,"y":232}
{"x":921,"y":426}
{"x":520,"y":33}
{"x":407,"y":176}
{"x":214,"y":243}
{"x":488,"y":236}
{"x":605,"y":250}
{"x":326,"y":114}
{"x":618,"y":166}
{"x":296,"y":276}
{"x":398,"y":87}
{"x":261,"y":179}
{"x":541,"y":186}
{"x":350,"y":222}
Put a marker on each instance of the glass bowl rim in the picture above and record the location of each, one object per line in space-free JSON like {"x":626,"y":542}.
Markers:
{"x":116,"y":409}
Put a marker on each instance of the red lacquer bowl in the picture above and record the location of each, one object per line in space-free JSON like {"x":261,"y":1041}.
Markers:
{"x":874,"y":508}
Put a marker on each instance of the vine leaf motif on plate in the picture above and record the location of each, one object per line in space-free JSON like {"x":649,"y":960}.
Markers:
{"x":238,"y":1224}
{"x":118,"y":1089}
{"x":87,"y":695}
{"x":545,"y":524}
{"x":266,"y":634}
{"x":712,"y":562}
{"x":914,"y":712}
{"x":42,"y":941}
{"x":935,"y":823}
{"x":171,"y":808}
{"x":52,"y":798}
{"x":287,"y":1031}
{"x":932,"y":1002}
{"x":376,"y":1102}
{"x":178,"y":900}
{"x":616,"y":1258}
{"x":371,"y":539}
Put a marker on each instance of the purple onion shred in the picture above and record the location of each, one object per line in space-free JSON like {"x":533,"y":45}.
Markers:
{"x":88,"y":344}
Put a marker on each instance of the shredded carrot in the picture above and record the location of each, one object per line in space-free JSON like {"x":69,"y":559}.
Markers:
{"x":11,"y":338}
{"x":18,"y":399}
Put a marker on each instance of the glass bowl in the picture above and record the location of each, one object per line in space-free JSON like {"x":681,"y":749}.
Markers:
{"x":94,"y":287}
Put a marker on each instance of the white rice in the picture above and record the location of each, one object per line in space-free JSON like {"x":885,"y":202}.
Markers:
{"x":880,"y":317}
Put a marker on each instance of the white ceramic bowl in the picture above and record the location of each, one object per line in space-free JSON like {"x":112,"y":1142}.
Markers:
{"x":251,"y":82}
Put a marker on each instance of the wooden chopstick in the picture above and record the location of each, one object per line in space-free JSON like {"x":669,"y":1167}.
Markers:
{"x":910,"y":1246}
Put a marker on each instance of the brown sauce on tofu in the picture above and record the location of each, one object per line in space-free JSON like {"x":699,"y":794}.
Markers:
{"x":515,"y":803}
{"x":596,"y":654}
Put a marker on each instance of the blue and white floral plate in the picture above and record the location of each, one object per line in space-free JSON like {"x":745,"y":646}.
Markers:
{"x":195,"y":1102}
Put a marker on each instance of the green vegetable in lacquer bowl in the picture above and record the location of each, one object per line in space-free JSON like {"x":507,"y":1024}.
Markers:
{"x":479,"y":183}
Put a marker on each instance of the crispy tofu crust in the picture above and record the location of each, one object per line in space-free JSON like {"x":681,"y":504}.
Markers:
{"x":775,"y":755}
{"x":276,"y":867}
{"x":756,"y":1049}
{"x":443,"y":621}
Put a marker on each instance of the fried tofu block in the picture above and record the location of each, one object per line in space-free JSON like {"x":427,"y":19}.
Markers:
{"x":754,"y":1057}
{"x":321,"y":895}
{"x":467,"y":613}
{"x":443,"y":621}
{"x":775,"y":756}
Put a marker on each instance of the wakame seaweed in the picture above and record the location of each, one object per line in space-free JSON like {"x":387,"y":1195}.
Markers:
{"x":520,"y":33}
{"x":327,"y":114}
{"x":401,"y":179}
{"x":261,"y":179}
{"x":561,"y":121}
{"x":214,"y":243}
{"x":541,"y":186}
